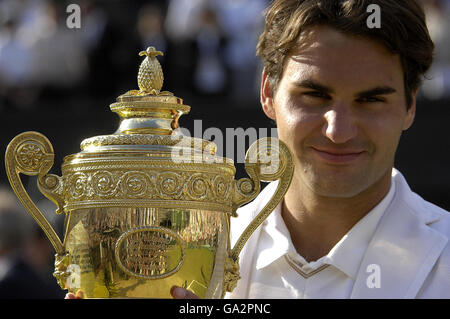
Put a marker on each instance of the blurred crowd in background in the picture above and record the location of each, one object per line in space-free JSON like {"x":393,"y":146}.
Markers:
{"x":50,"y":71}
{"x":209,"y":46}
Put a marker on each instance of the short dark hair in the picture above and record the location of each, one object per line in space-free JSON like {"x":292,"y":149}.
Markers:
{"x":403,"y":31}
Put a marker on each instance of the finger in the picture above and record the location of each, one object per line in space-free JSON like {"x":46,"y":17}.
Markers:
{"x":181,"y":293}
{"x":79,"y":294}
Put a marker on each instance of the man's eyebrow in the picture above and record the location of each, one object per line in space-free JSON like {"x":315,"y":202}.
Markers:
{"x":379,"y":90}
{"x":311,"y":84}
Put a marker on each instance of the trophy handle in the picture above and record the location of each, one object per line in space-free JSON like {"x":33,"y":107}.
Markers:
{"x":31,"y":153}
{"x":267,"y":159}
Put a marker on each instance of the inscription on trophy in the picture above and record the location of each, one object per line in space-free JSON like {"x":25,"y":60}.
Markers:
{"x":150,"y":252}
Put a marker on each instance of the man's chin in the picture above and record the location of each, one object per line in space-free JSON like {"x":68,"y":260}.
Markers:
{"x":339,"y":187}
{"x":340,"y":194}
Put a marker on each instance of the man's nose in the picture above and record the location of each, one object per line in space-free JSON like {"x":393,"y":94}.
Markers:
{"x":340,"y":124}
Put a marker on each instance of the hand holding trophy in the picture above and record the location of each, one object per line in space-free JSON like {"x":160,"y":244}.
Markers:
{"x":147,"y":209}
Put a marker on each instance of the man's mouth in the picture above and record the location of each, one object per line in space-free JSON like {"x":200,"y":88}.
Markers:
{"x":338,"y":156}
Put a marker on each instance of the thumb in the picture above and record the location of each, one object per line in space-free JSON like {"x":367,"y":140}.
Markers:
{"x":181,"y":293}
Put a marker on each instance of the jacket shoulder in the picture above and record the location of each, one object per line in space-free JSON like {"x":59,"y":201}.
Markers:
{"x":434,"y":216}
{"x":443,"y":220}
{"x":438,"y":281}
{"x":427,"y":212}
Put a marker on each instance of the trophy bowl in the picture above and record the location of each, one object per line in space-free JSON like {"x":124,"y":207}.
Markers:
{"x":147,"y":208}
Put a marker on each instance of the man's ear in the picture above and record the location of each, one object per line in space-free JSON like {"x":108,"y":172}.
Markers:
{"x":411,"y":112}
{"x":266,"y":97}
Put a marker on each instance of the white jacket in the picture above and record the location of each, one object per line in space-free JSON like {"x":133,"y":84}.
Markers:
{"x":410,"y":245}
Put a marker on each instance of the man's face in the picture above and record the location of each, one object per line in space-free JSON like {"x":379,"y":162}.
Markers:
{"x":340,"y":107}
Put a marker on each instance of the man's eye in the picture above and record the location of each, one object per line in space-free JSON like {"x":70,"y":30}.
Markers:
{"x":316,"y":94}
{"x":370,"y":99}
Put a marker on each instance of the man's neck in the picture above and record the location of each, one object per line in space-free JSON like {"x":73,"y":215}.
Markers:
{"x":316,"y":223}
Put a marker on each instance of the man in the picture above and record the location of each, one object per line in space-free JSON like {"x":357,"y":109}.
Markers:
{"x":341,"y":94}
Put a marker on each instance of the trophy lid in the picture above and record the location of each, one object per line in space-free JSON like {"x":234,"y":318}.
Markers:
{"x":148,"y":116}
{"x":147,"y":162}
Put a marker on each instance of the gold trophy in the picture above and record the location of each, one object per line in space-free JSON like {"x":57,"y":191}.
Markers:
{"x":147,"y":208}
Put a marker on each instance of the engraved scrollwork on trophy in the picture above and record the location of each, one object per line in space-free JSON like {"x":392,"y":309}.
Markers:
{"x":135,"y":184}
{"x":51,"y":181}
{"x":30,"y":156}
{"x":51,"y":186}
{"x":169,"y":184}
{"x":198,"y":186}
{"x":103,"y":184}
{"x":93,"y":186}
{"x":221,"y":187}
{"x":144,"y":139}
{"x":245,"y":186}
{"x":77,"y":185}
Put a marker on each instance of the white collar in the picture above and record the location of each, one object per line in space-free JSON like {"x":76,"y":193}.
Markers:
{"x":346,"y":255}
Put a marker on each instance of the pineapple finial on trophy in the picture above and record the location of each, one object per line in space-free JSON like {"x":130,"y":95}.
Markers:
{"x":150,"y":76}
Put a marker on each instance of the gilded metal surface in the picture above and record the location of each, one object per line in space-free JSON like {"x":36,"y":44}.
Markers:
{"x":145,"y":208}
{"x":95,"y":238}
{"x":91,"y":181}
{"x":62,"y":273}
{"x":32,"y":154}
{"x":150,"y":76}
{"x":148,"y":114}
{"x":165,"y":248}
{"x":281,"y":168}
{"x":231,"y":275}
{"x":145,"y":139}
